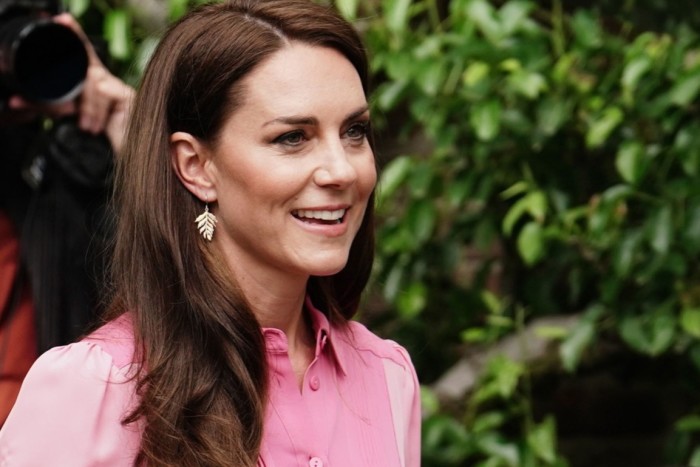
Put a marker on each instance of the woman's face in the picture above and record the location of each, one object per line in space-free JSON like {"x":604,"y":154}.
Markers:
{"x":292,"y":168}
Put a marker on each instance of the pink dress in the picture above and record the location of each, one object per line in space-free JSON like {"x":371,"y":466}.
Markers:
{"x":358,"y":406}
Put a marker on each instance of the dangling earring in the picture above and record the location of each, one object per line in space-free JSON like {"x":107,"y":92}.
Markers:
{"x":206,"y":222}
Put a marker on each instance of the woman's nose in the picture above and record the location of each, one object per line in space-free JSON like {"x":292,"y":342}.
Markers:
{"x":335,"y":167}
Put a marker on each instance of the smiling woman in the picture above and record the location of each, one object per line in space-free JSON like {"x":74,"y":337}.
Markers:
{"x":230,"y":340}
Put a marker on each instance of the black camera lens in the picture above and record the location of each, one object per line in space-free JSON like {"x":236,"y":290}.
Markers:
{"x":40,"y":60}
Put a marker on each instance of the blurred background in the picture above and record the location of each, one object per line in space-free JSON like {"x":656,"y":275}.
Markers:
{"x":539,"y":218}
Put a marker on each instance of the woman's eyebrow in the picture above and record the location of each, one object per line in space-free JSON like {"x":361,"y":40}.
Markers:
{"x":293,"y":120}
{"x":357,"y":113}
{"x":304,"y":120}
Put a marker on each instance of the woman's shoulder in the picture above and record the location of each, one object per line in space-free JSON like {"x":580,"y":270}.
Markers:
{"x":365,"y":341}
{"x":116,"y":339}
{"x":73,"y":399}
{"x":104,"y":356}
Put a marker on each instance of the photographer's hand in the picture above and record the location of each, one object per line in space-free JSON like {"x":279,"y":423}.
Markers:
{"x":103,"y":105}
{"x":106,"y":100}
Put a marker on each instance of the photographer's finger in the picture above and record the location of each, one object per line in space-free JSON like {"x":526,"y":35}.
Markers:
{"x":93,"y":113}
{"x":118,"y":120}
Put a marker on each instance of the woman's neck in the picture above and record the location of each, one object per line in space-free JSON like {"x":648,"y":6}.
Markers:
{"x":279,"y":303}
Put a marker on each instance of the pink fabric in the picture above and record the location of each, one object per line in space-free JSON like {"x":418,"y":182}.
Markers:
{"x":358,"y":406}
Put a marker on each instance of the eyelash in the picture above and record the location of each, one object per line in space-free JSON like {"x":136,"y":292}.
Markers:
{"x":297,"y":137}
{"x":286,"y":138}
{"x":364,"y":130}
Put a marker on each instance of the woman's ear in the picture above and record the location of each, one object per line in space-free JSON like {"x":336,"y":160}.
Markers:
{"x":190,"y":158}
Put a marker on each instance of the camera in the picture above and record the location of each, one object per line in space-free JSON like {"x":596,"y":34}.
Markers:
{"x":40,"y":60}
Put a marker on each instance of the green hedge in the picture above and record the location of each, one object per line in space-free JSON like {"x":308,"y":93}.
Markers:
{"x":550,"y":166}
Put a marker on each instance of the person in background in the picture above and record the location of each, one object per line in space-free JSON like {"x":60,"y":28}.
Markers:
{"x":244,"y":240}
{"x":53,"y":188}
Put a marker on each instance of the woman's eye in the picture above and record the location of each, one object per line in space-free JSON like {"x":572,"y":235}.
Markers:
{"x":293,"y":138}
{"x":358,"y":131}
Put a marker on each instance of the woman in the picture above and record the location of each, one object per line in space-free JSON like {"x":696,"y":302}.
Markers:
{"x":236,"y":348}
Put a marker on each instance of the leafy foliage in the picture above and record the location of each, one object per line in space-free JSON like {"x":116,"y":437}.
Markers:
{"x":549,"y":164}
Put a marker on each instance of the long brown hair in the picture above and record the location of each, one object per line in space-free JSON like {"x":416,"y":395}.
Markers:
{"x":202,"y":383}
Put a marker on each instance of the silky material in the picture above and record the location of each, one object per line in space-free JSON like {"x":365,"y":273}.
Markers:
{"x":359,"y":403}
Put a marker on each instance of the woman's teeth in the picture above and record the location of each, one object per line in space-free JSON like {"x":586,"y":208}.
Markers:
{"x":323,"y":215}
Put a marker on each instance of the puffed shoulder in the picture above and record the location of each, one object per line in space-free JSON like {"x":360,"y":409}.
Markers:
{"x":70,"y":407}
{"x":362,"y":339}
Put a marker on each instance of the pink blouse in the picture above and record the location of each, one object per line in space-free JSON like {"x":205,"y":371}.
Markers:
{"x":358,"y":406}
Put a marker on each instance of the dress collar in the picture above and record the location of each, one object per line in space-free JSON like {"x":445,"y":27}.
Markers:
{"x":325,"y":335}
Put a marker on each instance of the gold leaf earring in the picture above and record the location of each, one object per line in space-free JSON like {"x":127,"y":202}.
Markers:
{"x":206,"y":222}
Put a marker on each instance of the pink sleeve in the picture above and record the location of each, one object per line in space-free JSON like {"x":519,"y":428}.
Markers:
{"x":69,"y":412}
{"x":404,"y":392}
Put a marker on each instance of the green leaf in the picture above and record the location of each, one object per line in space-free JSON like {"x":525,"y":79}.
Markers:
{"x":624,"y":253}
{"x":505,"y":452}
{"x":388,"y":94}
{"x":631,"y":162}
{"x":528,"y":84}
{"x":492,"y":302}
{"x":580,"y":337}
{"x":685,"y":90}
{"x":421,"y":178}
{"x":587,"y":29}
{"x":396,"y":14}
{"x":687,"y":147}
{"x":634,"y":71}
{"x":393,"y":282}
{"x":78,"y":7}
{"x":531,"y":243}
{"x":429,"y":402}
{"x":412,"y":300}
{"x":552,"y":113}
{"x":484,"y":16}
{"x":695,"y":458}
{"x":534,"y":203}
{"x":445,"y":440}
{"x":660,"y":230}
{"x":513,"y":15}
{"x":476,"y":72}
{"x":599,"y":130}
{"x":551,"y":332}
{"x":474,"y":335}
{"x":430,"y":78}
{"x":421,"y":220}
{"x":488,"y":421}
{"x":690,"y":321}
{"x":485,"y":119}
{"x":347,"y":8}
{"x":542,"y":440}
{"x":573,"y":346}
{"x":176,"y":8}
{"x":515,"y":189}
{"x":689,"y":423}
{"x":118,"y":33}
{"x":651,"y":334}
{"x":500,"y":379}
{"x":691,"y":231}
{"x":393,"y":175}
